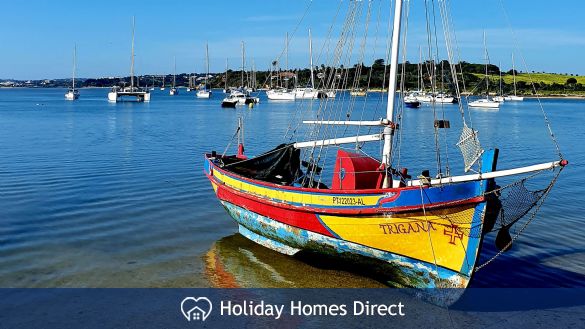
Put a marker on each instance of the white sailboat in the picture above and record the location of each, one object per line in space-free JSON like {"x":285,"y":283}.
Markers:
{"x":163,"y":83}
{"x":308,"y":92}
{"x":134,"y":92}
{"x":174,"y":91}
{"x":486,"y":102}
{"x":514,"y":97}
{"x":73,"y":94}
{"x":240,"y":96}
{"x":205,"y":93}
{"x":281,"y":93}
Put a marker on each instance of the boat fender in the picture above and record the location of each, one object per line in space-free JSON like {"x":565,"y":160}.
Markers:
{"x":503,"y":239}
{"x":425,"y":177}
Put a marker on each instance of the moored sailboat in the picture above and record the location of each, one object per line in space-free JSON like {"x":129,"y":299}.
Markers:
{"x":514,"y":97}
{"x":428,"y":230}
{"x":282,"y":92}
{"x":133,"y":92}
{"x":174,"y":90}
{"x":73,"y":94}
{"x":308,"y":92}
{"x":205,"y":93}
{"x":487,"y":102}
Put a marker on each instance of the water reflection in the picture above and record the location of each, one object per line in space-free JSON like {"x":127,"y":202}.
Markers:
{"x":236,"y":262}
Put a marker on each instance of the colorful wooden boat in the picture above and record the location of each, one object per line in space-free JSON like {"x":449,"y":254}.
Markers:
{"x":427,"y":231}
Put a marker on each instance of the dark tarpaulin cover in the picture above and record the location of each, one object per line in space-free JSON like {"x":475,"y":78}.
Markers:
{"x":282,"y":165}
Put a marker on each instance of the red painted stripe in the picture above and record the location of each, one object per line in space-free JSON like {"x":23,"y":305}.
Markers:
{"x":348,"y":212}
{"x":301,"y":219}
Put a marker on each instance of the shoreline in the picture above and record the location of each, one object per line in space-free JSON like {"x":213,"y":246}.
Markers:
{"x":553,"y":96}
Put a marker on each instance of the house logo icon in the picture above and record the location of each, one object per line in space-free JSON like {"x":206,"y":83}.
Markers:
{"x":196,"y":309}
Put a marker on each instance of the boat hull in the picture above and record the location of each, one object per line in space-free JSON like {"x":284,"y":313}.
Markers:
{"x":140,"y":96}
{"x":514,"y":98}
{"x":436,"y":246}
{"x":229,"y":103}
{"x":203,"y":94}
{"x":306,"y":93}
{"x":289,"y":240}
{"x":71,"y":96}
{"x":484,"y":104}
{"x":276,"y":95}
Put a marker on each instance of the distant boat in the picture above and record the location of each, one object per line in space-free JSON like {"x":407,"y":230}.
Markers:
{"x":163,"y":83}
{"x":230,"y":101}
{"x":138,"y":93}
{"x":358,"y":93}
{"x":486,"y":102}
{"x":411,"y":100}
{"x":514,"y":97}
{"x":205,"y":93}
{"x":73,"y":94}
{"x":280,"y":92}
{"x":174,"y":91}
{"x":443,"y":98}
{"x":308,"y":92}
{"x":500,"y":97}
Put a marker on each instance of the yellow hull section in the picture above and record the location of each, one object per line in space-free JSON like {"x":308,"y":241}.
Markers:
{"x":440,"y":237}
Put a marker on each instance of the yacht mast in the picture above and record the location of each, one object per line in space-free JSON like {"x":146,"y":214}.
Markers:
{"x":207,"y":63}
{"x":311,"y":61}
{"x":500,"y":69}
{"x":487,"y":80}
{"x":74,"y":65}
{"x":388,"y":130}
{"x":514,"y":73}
{"x":132,"y":59}
{"x":419,"y":68}
{"x":243,"y":63}
{"x":174,"y":71}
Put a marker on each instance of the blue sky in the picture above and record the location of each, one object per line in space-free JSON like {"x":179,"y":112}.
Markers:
{"x":37,"y":36}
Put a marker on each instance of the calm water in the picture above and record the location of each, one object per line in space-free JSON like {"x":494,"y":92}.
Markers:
{"x":94,"y":194}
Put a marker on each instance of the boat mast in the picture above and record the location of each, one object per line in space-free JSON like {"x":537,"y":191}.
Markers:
{"x":487,"y":80}
{"x":174,"y":71}
{"x":311,"y":61}
{"x":207,"y":63}
{"x":243,"y":63}
{"x":132,"y":58}
{"x":500,"y":69}
{"x":253,"y":78}
{"x":420,"y":77}
{"x":226,"y":74}
{"x":514,"y":73}
{"x":74,"y":65}
{"x":388,"y":130}
{"x":286,"y":58}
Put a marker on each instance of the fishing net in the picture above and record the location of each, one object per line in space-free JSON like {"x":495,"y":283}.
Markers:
{"x":515,"y":203}
{"x":469,"y":146}
{"x":505,"y":205}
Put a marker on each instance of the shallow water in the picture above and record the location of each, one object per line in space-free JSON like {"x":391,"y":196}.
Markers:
{"x":94,"y":194}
